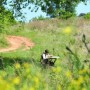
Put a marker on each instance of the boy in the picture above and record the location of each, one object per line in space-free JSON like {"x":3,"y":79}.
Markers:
{"x":46,"y":58}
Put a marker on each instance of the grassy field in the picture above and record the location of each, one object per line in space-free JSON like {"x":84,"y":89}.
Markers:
{"x":21,"y":70}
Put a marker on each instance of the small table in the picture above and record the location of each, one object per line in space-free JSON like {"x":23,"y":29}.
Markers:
{"x":53,"y":58}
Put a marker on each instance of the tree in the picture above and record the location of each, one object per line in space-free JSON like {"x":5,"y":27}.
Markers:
{"x":6,"y":17}
{"x":53,"y":8}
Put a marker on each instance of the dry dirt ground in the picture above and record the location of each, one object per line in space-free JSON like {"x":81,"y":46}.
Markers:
{"x":17,"y":42}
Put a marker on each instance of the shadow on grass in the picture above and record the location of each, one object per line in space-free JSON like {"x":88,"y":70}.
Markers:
{"x":5,"y":61}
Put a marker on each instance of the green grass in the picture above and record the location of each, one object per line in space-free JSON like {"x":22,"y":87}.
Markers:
{"x":50,"y":35}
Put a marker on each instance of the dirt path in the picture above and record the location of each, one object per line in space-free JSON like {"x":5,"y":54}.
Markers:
{"x":17,"y":42}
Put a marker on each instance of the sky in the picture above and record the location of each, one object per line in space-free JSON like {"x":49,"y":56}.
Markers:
{"x":82,"y":8}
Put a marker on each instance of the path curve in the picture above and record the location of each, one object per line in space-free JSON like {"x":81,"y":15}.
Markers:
{"x":17,"y":42}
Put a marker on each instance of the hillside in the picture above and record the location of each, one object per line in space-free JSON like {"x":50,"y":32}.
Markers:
{"x":68,"y":39}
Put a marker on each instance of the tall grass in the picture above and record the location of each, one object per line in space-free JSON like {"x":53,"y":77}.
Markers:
{"x":3,"y":41}
{"x":21,"y":70}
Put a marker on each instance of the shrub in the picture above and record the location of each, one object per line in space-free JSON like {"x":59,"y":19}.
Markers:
{"x":67,"y":15}
{"x":87,"y":16}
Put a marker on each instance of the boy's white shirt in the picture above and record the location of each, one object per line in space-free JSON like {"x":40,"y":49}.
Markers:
{"x":45,"y":56}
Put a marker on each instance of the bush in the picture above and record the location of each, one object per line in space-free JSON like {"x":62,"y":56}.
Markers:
{"x":87,"y":16}
{"x":67,"y":15}
{"x":39,"y":18}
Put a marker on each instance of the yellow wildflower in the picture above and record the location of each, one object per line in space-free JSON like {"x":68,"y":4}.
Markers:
{"x":32,"y":88}
{"x":26,"y":65}
{"x":82,"y":71}
{"x":28,"y":71}
{"x":36,"y":80}
{"x":59,"y":87}
{"x":57,"y":70}
{"x":67,"y":30}
{"x":84,"y":89}
{"x":9,"y":86}
{"x":17,"y":66}
{"x":80,"y":80}
{"x":16,"y":80}
{"x":68,"y":74}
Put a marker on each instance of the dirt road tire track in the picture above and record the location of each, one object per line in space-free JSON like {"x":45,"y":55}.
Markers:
{"x":17,"y":42}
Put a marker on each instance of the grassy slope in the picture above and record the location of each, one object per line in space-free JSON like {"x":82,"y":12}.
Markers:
{"x":49,"y":34}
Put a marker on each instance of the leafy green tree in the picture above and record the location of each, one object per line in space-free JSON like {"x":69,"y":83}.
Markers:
{"x":6,"y":17}
{"x":53,"y":8}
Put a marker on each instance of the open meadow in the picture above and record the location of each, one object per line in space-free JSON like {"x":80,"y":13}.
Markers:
{"x":69,"y":39}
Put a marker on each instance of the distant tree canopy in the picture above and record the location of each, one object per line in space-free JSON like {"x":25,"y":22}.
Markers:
{"x":5,"y":15}
{"x":53,"y":8}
